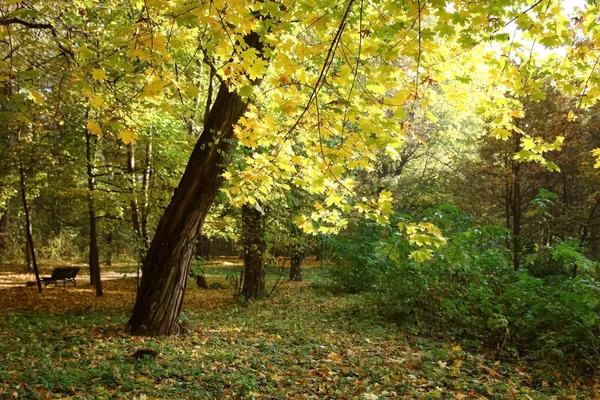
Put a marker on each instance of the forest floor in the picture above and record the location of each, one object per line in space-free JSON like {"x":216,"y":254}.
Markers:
{"x":302,"y":342}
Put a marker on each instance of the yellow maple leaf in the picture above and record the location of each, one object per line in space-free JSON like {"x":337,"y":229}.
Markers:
{"x":94,"y":128}
{"x":275,"y":377}
{"x":99,"y":75}
{"x":501,"y":133}
{"x":153,"y":89}
{"x":37,"y":97}
{"x":128,"y":136}
{"x":96,"y":101}
{"x":140,"y":55}
{"x":258,"y":69}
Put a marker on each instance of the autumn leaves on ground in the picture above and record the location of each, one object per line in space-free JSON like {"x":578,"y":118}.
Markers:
{"x":302,"y":342}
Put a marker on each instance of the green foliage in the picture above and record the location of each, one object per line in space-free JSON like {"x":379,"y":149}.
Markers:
{"x":357,"y":262}
{"x":559,"y":259}
{"x":197,"y":267}
{"x":470,"y":289}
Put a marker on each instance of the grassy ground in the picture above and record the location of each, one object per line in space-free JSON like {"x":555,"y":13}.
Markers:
{"x":300,"y":343}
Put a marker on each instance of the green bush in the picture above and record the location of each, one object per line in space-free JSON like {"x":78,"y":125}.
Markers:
{"x":470,"y":289}
{"x":358,"y":265}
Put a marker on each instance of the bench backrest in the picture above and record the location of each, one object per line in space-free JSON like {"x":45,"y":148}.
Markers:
{"x":65,"y":272}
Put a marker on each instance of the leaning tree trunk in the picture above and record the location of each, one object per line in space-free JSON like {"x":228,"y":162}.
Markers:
{"x":94,"y":254}
{"x":253,"y":238}
{"x":165,"y":269}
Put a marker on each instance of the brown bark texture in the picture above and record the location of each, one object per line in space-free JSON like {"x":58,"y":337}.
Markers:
{"x":253,"y":238}
{"x":166,"y":266}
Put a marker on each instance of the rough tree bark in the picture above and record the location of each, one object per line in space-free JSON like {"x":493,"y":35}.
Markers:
{"x":253,"y":239}
{"x":297,"y":256}
{"x":296,"y":265}
{"x":94,"y":255}
{"x":165,"y":270}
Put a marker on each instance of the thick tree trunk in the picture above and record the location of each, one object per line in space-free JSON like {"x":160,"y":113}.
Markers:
{"x":296,"y":264}
{"x":28,"y":233}
{"x":160,"y":295}
{"x":297,"y":255}
{"x":254,"y":247}
{"x":94,"y":254}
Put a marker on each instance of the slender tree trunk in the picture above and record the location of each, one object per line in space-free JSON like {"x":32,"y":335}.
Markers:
{"x":135,"y":213}
{"x":94,"y":256}
{"x":145,"y":210}
{"x":140,"y":244}
{"x":200,"y":247}
{"x":254,"y":247}
{"x":28,"y":254}
{"x":28,"y":233}
{"x":165,"y":270}
{"x":507,"y":199}
{"x":594,"y":242}
{"x":516,"y":206}
{"x":4,"y":221}
{"x":591,"y":228}
{"x":109,"y":248}
{"x":209,"y":89}
{"x":319,"y":255}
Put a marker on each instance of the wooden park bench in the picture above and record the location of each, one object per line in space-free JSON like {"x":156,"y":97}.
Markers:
{"x":65,"y":274}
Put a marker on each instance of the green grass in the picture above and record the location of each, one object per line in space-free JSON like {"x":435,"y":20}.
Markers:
{"x":301,"y":343}
{"x":272,"y":273}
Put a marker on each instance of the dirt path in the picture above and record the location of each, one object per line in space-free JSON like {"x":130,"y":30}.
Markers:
{"x":11,"y":279}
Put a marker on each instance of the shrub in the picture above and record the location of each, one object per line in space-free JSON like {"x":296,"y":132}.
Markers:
{"x":469,"y":289}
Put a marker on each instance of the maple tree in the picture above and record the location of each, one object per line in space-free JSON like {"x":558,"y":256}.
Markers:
{"x":316,"y":91}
